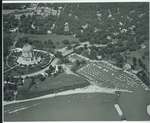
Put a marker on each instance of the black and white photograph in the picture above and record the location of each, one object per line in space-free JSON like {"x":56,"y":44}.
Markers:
{"x":75,"y":61}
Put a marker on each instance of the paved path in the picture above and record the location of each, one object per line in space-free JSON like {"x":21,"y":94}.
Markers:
{"x":68,"y":70}
{"x":11,"y":68}
{"x":34,"y":74}
{"x":88,"y":89}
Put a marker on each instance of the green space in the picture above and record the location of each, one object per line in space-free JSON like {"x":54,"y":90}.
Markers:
{"x":43,"y":38}
{"x":55,"y":84}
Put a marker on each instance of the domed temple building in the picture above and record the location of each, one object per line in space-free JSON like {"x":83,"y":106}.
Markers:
{"x":24,"y":61}
{"x":27,"y":57}
{"x":27,"y":52}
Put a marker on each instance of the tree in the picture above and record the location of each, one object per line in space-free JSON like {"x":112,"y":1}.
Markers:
{"x":9,"y":21}
{"x":66,"y":42}
{"x":79,"y":50}
{"x":38,"y":44}
{"x":132,"y":45}
{"x":93,"y":54}
{"x":143,"y":76}
{"x":119,"y":60}
{"x":69,"y":47}
{"x":42,"y":78}
{"x":50,"y":44}
{"x":59,"y":54}
{"x":134,"y":61}
{"x":60,"y":69}
{"x":85,"y":46}
{"x":140,"y":62}
{"x":7,"y":42}
{"x":65,"y":60}
{"x":51,"y":69}
{"x":22,"y":41}
{"x":143,"y":57}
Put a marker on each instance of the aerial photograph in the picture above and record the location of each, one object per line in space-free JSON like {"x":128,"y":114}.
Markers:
{"x":76,"y":61}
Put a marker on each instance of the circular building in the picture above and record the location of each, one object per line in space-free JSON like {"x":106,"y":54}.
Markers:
{"x":27,"y":61}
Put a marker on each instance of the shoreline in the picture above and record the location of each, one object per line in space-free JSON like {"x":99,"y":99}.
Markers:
{"x":87,"y":89}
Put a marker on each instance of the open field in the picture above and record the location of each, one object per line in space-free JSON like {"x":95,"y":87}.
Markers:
{"x":51,"y":85}
{"x":56,"y":39}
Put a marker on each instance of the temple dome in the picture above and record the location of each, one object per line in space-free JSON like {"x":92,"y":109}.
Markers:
{"x":27,"y":48}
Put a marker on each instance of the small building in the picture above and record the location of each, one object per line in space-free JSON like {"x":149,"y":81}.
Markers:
{"x":33,"y":27}
{"x":110,"y":15}
{"x":143,"y":46}
{"x":66,"y":27}
{"x":127,"y":67}
{"x":53,"y":26}
{"x":99,"y":57}
{"x":49,"y":32}
{"x":85,"y":26}
{"x":13,"y":29}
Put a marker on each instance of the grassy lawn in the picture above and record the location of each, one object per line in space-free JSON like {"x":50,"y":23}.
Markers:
{"x":51,"y":85}
{"x":57,"y":39}
{"x":59,"y":81}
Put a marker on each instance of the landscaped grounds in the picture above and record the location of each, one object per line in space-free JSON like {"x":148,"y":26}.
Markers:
{"x":16,"y":69}
{"x":51,"y":85}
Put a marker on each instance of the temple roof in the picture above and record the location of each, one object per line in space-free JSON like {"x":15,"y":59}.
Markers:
{"x":27,"y":48}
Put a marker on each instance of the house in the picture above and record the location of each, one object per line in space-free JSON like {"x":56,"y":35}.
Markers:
{"x":66,"y":27}
{"x":127,"y":67}
{"x":85,"y":26}
{"x":13,"y":29}
{"x":49,"y":32}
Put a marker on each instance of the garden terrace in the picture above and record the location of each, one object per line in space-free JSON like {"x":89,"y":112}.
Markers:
{"x":12,"y":58}
{"x":21,"y":69}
